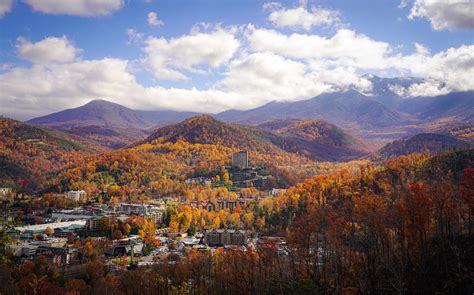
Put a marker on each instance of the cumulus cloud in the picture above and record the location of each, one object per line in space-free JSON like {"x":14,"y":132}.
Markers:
{"x":345,"y":48}
{"x":5,"y":7}
{"x":446,"y":14}
{"x":448,"y":70}
{"x":300,"y":17}
{"x":264,"y":65}
{"x":153,"y":19}
{"x":76,"y":7}
{"x":58,"y":86}
{"x":50,"y":49}
{"x":429,"y":87}
{"x":263,"y":76}
{"x":168,"y":58}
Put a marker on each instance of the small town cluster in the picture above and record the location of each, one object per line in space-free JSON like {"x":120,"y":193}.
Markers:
{"x":127,"y":235}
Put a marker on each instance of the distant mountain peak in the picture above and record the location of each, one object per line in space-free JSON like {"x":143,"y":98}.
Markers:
{"x":97,"y":112}
{"x":103,"y":103}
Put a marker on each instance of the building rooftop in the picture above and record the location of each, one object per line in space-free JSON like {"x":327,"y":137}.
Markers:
{"x":54,"y":225}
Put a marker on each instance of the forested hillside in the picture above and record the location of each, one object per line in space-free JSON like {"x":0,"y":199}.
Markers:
{"x":28,"y":155}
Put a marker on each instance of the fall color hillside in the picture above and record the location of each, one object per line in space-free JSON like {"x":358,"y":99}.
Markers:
{"x":316,"y":140}
{"x":29,"y":154}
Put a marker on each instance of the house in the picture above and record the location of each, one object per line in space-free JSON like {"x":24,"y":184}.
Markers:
{"x":76,"y":196}
{"x":226,"y":237}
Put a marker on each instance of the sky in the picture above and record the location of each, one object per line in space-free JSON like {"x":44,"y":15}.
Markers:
{"x":214,"y":55}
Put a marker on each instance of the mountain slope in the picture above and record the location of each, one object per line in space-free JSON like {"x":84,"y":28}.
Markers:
{"x":423,"y":142}
{"x":29,"y":154}
{"x":161,"y":118}
{"x":315,"y":140}
{"x":456,"y":104}
{"x":318,"y":139}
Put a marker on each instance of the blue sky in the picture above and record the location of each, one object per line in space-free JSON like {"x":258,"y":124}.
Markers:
{"x":215,"y":55}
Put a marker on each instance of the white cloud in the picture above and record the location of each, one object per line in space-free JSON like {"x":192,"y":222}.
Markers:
{"x":260,"y":77}
{"x":5,"y":7}
{"x":403,"y":4}
{"x":429,"y":87}
{"x":345,"y":48}
{"x":134,"y":36}
{"x":168,"y":58}
{"x":445,"y":14}
{"x":265,"y":65}
{"x":449,"y":70}
{"x":76,"y":7}
{"x":50,"y":49}
{"x":300,"y":17}
{"x":338,"y":60}
{"x":57,"y":86}
{"x":153,"y":19}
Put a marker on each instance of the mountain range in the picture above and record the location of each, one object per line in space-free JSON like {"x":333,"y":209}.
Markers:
{"x":378,"y":116}
{"x":29,"y":155}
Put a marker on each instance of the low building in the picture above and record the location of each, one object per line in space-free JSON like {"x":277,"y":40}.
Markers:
{"x":4,"y":191}
{"x":220,"y":204}
{"x":76,"y":196}
{"x":137,"y":209}
{"x":125,"y":247}
{"x":226,"y":237}
{"x":199,"y":180}
{"x":59,"y":256}
{"x":93,"y":224}
{"x":150,"y":212}
{"x":85,"y":213}
{"x":58,"y":227}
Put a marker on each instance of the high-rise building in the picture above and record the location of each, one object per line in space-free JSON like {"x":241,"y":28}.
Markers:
{"x":240,"y":159}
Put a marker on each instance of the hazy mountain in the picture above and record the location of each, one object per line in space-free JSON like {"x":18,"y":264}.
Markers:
{"x":423,"y":142}
{"x":340,"y":108}
{"x":95,"y":113}
{"x":101,"y":124}
{"x":161,"y":118}
{"x":456,"y":104}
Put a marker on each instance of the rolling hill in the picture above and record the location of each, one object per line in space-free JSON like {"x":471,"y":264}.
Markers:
{"x":316,"y":140}
{"x":419,"y":143}
{"x":29,"y":154}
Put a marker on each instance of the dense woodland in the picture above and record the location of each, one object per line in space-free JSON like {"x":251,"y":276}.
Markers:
{"x":397,"y":229}
{"x":404,"y":226}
